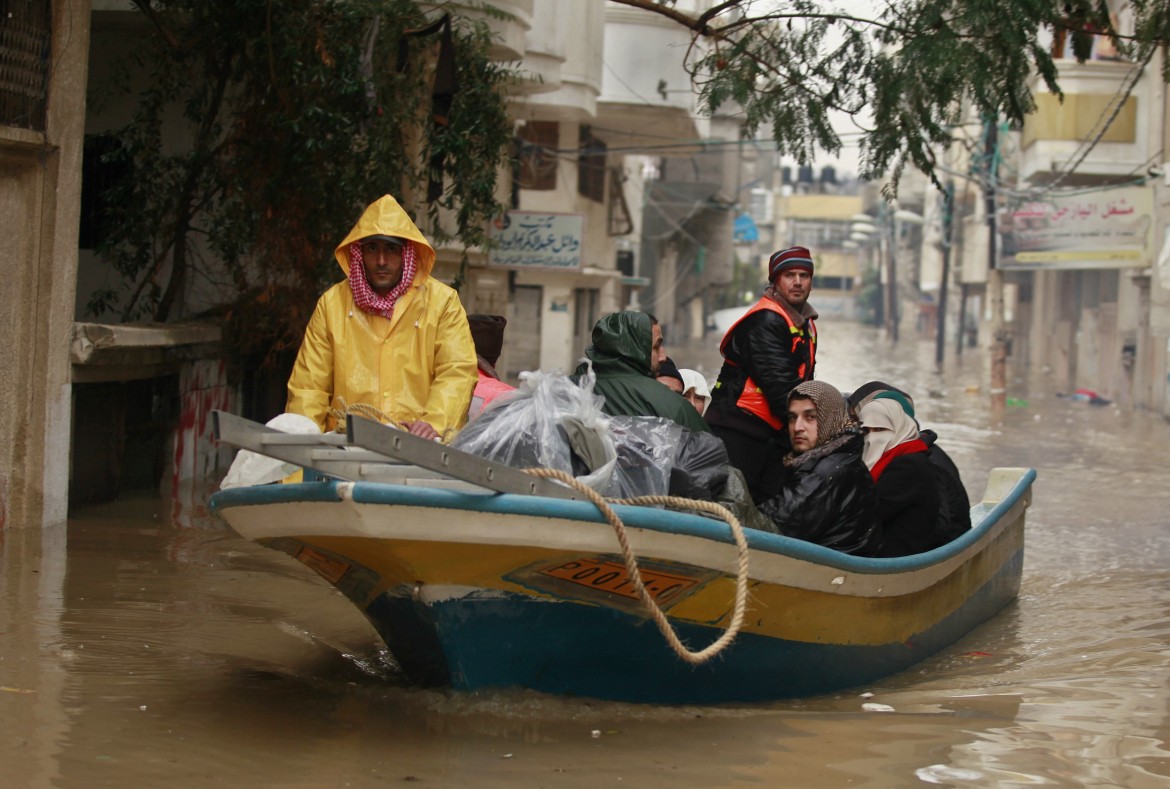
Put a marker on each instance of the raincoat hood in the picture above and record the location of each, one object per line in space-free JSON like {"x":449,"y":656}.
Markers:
{"x":623,"y":337}
{"x":384,"y":217}
{"x":620,"y":357}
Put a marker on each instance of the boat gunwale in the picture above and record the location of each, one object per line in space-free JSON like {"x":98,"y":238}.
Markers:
{"x":652,"y":519}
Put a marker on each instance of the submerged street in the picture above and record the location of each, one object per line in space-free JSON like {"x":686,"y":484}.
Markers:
{"x":162,"y":649}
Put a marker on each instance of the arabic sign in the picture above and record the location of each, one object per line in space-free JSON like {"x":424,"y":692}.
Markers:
{"x":526,"y":239}
{"x":1109,"y":229}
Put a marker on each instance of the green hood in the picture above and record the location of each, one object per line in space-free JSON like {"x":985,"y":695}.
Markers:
{"x":622,"y":339}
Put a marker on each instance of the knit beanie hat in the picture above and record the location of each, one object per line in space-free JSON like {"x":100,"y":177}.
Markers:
{"x":487,"y":332}
{"x":832,"y":412}
{"x":793,"y":257}
{"x":668,"y":369}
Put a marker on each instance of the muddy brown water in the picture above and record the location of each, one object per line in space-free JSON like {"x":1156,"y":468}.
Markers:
{"x":145,"y":644}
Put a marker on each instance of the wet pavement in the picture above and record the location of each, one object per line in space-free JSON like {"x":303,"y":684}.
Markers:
{"x":158,"y":648}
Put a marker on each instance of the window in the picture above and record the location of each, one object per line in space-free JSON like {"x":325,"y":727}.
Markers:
{"x":591,"y":166}
{"x":24,"y":63}
{"x":98,"y":176}
{"x":536,"y":158}
{"x":618,"y":222}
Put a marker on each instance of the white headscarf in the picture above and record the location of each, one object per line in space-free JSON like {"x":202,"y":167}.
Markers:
{"x":693,"y":379}
{"x":900,"y":428}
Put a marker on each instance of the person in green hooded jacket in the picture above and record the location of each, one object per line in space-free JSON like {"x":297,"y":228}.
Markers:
{"x":626,"y":352}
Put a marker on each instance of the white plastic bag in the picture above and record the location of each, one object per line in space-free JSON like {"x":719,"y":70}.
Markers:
{"x":251,"y":468}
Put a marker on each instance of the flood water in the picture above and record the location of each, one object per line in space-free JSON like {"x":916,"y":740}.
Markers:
{"x":159,"y":649}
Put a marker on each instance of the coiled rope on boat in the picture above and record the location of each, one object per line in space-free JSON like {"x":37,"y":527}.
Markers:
{"x":631,"y":561}
{"x":341,"y":408}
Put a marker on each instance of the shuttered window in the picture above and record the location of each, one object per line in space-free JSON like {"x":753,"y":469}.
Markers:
{"x":25,"y":36}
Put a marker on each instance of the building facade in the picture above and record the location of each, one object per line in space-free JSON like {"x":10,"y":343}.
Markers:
{"x":1083,"y":235}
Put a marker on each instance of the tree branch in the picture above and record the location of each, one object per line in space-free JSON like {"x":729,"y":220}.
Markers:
{"x":164,"y":31}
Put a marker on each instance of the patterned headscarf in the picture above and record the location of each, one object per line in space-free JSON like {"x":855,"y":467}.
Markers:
{"x":832,"y":413}
{"x":364,"y":296}
{"x":832,"y":422}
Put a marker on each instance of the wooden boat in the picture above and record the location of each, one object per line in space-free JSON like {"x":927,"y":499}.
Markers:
{"x":472,"y":588}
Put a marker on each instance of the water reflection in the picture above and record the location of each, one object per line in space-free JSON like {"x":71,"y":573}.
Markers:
{"x":162,"y":649}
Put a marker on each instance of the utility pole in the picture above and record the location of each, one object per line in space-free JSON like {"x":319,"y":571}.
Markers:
{"x":892,"y":285}
{"x":998,"y":349}
{"x":948,"y":221}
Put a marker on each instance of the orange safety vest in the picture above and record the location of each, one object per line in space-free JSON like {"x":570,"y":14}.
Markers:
{"x":752,"y":399}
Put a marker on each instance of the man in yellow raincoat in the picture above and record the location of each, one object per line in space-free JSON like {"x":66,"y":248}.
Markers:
{"x":390,"y":337}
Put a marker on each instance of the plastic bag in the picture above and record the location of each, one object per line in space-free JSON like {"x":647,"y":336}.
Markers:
{"x":736,"y":498}
{"x":646,"y":447}
{"x":552,"y":422}
{"x":549,"y":422}
{"x":700,"y":467}
{"x":251,"y":468}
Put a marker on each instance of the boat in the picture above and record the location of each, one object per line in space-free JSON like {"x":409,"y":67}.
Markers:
{"x":479,"y":576}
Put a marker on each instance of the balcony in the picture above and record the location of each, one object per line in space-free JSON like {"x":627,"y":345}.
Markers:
{"x":1055,"y":135}
{"x":646,"y":95}
{"x":508,"y":28}
{"x":561,"y":68}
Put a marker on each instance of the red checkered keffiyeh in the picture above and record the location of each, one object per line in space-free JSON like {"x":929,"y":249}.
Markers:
{"x":364,"y":296}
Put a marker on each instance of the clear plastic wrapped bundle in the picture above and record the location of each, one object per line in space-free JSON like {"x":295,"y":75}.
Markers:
{"x":552,"y":422}
{"x":549,"y":422}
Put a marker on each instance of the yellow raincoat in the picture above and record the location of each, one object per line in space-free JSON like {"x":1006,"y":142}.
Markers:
{"x":420,"y":364}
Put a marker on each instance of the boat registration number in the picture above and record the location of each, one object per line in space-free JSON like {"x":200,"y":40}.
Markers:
{"x":613,"y":577}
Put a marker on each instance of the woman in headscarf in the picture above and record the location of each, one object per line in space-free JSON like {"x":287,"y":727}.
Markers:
{"x":695,"y":389}
{"x":954,"y":512}
{"x":908,"y":496}
{"x":827,"y":497}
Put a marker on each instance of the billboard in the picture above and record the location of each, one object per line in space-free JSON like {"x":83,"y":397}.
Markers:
{"x":1092,"y":230}
{"x":530,"y":239}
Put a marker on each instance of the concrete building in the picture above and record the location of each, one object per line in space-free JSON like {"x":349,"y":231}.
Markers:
{"x":1084,"y":240}
{"x":42,"y":118}
{"x":1081,"y":250}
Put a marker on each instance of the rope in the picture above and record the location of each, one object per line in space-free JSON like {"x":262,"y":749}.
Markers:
{"x":339,"y":411}
{"x":631,"y":561}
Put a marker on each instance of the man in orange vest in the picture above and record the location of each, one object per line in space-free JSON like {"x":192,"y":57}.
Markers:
{"x":766,"y":354}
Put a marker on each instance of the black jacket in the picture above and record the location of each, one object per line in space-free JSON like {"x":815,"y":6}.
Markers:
{"x":828,"y":499}
{"x":908,"y":506}
{"x":954,"y":511}
{"x":760,"y":348}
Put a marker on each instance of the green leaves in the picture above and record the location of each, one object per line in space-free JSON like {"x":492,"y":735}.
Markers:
{"x":263,"y":129}
{"x":904,"y":71}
